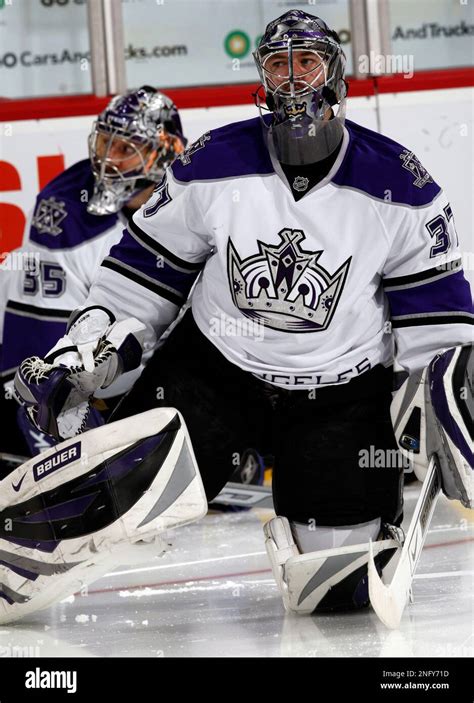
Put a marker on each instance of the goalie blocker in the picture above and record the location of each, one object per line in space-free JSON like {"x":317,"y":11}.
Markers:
{"x":67,"y":512}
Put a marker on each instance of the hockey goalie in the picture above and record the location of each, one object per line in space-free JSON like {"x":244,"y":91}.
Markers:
{"x":307,"y":288}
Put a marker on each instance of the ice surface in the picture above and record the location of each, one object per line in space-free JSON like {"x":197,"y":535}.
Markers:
{"x":213,"y":594}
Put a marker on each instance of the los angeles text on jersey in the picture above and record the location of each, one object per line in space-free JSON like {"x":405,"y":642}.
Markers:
{"x":315,"y":380}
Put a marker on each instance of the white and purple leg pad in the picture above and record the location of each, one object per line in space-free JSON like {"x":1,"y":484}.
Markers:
{"x":66,"y":513}
{"x":324,"y":568}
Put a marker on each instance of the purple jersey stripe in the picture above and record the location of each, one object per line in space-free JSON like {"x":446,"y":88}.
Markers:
{"x":448,"y":294}
{"x":130,"y":252}
{"x":28,"y":336}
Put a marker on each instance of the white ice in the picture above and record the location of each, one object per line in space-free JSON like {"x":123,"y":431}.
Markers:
{"x":213,"y":594}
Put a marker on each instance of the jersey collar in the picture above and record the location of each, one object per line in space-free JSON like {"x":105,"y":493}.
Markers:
{"x":334,"y":169}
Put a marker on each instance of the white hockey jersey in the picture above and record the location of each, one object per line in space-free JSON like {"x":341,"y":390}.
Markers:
{"x":50,"y":275}
{"x":304,"y":293}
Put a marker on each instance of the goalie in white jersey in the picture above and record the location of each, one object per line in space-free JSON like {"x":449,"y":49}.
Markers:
{"x":323,"y":248}
{"x":77,"y":217}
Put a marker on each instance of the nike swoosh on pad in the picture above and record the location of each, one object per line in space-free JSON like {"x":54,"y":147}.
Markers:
{"x":18,"y":485}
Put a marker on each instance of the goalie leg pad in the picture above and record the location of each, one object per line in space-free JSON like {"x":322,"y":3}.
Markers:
{"x":66,"y":512}
{"x":324,"y":579}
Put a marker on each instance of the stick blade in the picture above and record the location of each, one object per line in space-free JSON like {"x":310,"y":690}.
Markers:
{"x":388,"y":602}
{"x":245,"y":495}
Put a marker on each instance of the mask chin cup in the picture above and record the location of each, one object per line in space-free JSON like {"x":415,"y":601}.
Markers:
{"x":299,"y":131}
{"x":108,"y":200}
{"x":300,"y":142}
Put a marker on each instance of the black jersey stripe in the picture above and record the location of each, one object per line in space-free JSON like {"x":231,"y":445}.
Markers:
{"x":423,"y":276}
{"x":33,"y":310}
{"x":136,"y":277}
{"x":161,"y":250}
{"x":421,"y":320}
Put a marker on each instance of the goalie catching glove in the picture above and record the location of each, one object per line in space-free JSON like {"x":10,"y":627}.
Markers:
{"x":56,"y":391}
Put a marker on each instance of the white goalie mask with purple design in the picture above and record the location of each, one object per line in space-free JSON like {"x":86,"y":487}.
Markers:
{"x":131,"y":143}
{"x":301,"y":66}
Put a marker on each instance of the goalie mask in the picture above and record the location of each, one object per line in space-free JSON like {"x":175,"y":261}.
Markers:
{"x":131,"y":143}
{"x":301,"y":66}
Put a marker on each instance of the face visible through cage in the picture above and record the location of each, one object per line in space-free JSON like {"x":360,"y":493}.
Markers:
{"x":294,"y":72}
{"x":114,"y":154}
{"x":127,"y":163}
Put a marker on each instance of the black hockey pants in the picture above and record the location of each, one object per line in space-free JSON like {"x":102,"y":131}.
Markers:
{"x":321,"y":445}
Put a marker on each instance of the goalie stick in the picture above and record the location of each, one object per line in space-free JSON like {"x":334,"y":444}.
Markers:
{"x":389,"y":601}
{"x":245,"y":496}
{"x":14,"y":459}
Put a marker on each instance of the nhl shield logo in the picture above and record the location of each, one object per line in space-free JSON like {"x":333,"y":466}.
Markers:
{"x":48,"y":216}
{"x":300,"y":184}
{"x":284,"y":287}
{"x":411,"y":163}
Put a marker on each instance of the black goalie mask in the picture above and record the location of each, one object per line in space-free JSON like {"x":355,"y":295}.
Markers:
{"x":301,"y":66}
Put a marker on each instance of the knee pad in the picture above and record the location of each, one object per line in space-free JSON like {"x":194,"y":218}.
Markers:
{"x":325,"y":568}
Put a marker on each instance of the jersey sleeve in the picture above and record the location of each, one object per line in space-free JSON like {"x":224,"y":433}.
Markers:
{"x":429,"y":297}
{"x":35,"y":314}
{"x":150,"y":272}
{"x":46,"y":282}
{"x":4,"y":285}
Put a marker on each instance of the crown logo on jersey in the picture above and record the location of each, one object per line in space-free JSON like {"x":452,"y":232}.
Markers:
{"x":295,"y":109}
{"x":284,"y":287}
{"x":188,"y":153}
{"x":411,"y":163}
{"x":48,"y":216}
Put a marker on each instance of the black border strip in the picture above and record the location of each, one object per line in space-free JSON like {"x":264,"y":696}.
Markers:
{"x":136,"y":278}
{"x":40,"y":312}
{"x":161,"y":250}
{"x":75,"y":315}
{"x":434,"y":320}
{"x":454,"y":266}
{"x":49,"y":358}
